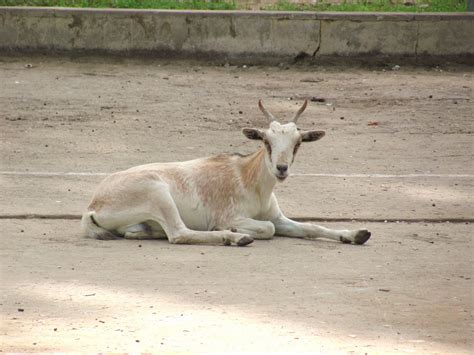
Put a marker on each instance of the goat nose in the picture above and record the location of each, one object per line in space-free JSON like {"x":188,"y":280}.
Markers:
{"x":282,"y":168}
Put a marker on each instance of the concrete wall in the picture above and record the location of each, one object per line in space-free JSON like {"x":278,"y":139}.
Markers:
{"x":262,"y":36}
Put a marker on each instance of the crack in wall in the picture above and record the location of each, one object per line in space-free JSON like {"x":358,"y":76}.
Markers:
{"x":417,"y":39}
{"x":303,"y":55}
{"x":319,"y":40}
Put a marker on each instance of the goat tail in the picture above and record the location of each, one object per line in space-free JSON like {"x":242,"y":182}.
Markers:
{"x":93,"y":230}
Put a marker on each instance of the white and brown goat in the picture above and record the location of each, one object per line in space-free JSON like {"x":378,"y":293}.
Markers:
{"x":224,"y":199}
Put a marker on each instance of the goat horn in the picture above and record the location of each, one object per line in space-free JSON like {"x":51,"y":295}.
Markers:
{"x":267,"y":114}
{"x":300,"y":111}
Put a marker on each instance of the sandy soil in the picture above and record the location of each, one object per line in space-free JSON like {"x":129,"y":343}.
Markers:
{"x":399,"y":146}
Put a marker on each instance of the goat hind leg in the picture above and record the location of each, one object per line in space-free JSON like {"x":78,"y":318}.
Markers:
{"x":165,"y":212}
{"x":141,"y":231}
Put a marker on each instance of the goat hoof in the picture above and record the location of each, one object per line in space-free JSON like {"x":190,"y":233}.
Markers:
{"x":244,"y":241}
{"x":362,"y":236}
{"x":345,"y":240}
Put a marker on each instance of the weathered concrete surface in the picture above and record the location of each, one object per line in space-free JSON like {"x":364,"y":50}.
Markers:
{"x":445,"y":37}
{"x":351,"y":37}
{"x":158,"y":32}
{"x":223,"y":35}
{"x":405,"y":35}
{"x":63,"y":117}
{"x":409,"y":289}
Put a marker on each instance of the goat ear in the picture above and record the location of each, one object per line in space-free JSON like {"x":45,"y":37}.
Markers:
{"x":311,"y":136}
{"x":253,"y":133}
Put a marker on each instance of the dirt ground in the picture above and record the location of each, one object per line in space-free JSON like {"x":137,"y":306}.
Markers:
{"x":399,"y":147}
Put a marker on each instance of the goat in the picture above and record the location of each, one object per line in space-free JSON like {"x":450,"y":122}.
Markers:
{"x":223,"y":199}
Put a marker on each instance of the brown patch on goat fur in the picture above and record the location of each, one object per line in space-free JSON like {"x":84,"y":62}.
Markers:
{"x":175,"y":178}
{"x":250,"y":170}
{"x":216,"y":184}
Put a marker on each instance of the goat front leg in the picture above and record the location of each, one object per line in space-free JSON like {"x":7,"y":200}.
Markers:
{"x":261,"y":230}
{"x":289,"y":228}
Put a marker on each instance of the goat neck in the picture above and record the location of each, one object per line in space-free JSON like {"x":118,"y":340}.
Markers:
{"x":255,"y":174}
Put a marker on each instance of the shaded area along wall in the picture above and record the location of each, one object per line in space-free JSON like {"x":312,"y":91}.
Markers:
{"x":262,"y":36}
